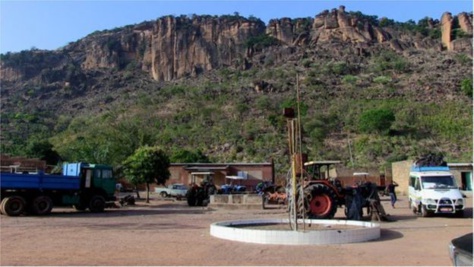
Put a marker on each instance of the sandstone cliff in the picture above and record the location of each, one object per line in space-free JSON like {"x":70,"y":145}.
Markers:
{"x":175,"y":47}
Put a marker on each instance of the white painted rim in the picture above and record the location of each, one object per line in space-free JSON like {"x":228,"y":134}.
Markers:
{"x":365,"y":231}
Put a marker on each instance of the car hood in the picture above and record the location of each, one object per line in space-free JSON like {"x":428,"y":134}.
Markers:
{"x":438,"y":194}
{"x":464,"y":243}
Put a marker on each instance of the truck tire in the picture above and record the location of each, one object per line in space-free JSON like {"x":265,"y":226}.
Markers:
{"x":424,"y":211}
{"x":459,"y":214}
{"x":97,"y":204}
{"x":1,"y":207}
{"x":163,"y":194}
{"x":322,"y":202}
{"x":13,"y":206}
{"x":42,"y":205}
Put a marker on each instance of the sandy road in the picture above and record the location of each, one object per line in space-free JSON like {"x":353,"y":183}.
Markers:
{"x":167,"y":232}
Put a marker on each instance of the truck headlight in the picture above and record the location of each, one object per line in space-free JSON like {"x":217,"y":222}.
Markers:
{"x":460,"y":201}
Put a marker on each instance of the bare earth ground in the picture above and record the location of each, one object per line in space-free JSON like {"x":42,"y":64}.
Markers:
{"x":166,"y":232}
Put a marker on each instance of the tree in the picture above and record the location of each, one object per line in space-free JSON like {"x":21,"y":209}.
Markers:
{"x":186,"y":156}
{"x":376,"y":120}
{"x":43,"y":150}
{"x":147,"y":165}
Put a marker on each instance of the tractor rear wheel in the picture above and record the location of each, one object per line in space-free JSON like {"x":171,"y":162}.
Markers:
{"x":321,"y":202}
{"x":191,"y":197}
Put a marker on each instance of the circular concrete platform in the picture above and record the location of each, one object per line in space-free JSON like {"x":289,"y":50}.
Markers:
{"x":332,"y":232}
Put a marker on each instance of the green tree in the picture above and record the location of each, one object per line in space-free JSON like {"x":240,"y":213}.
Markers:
{"x":147,"y":165}
{"x":376,"y":120}
{"x":186,"y":156}
{"x":43,"y":150}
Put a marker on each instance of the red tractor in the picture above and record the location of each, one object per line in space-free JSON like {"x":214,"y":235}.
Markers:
{"x":323,"y":193}
{"x":312,"y":192}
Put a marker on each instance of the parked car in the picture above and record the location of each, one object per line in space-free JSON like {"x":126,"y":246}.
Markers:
{"x":460,"y":250}
{"x":172,"y":190}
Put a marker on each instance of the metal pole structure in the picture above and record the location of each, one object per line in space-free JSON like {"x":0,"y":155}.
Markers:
{"x":294,"y":181}
{"x":294,"y":212}
{"x":299,"y":184}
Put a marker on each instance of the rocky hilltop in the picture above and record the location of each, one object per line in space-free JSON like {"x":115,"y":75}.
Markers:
{"x":174,"y":47}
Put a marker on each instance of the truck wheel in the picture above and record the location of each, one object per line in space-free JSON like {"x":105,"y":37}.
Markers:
{"x":459,"y":214}
{"x":322,"y":204}
{"x":163,"y":194}
{"x":1,"y":206}
{"x":13,"y":206}
{"x":42,"y":205}
{"x":97,"y":204}
{"x":424,"y":211}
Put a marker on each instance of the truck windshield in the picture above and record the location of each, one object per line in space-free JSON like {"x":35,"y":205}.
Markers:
{"x":438,"y":182}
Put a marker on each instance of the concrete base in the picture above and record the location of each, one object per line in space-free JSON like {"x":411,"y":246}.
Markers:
{"x":236,"y":199}
{"x":362,"y":231}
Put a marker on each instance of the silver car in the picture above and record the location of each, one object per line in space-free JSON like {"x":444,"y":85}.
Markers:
{"x":460,"y":250}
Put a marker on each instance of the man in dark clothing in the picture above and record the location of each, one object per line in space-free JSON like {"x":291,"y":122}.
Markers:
{"x":391,"y":192}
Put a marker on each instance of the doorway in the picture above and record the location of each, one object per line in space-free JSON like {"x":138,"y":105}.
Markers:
{"x":466,"y":181}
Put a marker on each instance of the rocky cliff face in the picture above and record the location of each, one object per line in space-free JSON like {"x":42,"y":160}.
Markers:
{"x":172,"y":47}
{"x":175,"y":47}
{"x":464,"y":22}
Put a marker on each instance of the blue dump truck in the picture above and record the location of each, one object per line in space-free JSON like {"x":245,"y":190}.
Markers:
{"x":81,"y":185}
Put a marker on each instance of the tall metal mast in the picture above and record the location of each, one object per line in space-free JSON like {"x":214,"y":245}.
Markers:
{"x":294,"y":181}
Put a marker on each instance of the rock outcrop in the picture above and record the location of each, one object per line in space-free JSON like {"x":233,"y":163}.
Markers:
{"x":446,"y":27}
{"x":175,"y":47}
{"x":465,"y":22}
{"x":448,"y":39}
{"x":337,"y":24}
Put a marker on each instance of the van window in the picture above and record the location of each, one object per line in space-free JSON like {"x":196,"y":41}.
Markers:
{"x":417,"y":184}
{"x":432,"y":182}
{"x":412,"y":181}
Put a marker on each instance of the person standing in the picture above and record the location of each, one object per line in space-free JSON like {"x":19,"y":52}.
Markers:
{"x":391,"y":192}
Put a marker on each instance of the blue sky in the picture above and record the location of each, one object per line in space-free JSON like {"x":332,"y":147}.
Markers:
{"x":52,"y":24}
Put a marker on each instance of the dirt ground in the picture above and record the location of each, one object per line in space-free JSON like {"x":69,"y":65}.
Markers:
{"x":166,"y":232}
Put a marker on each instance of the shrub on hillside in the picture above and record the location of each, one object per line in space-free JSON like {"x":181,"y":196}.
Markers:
{"x":466,"y":87}
{"x":376,"y":121}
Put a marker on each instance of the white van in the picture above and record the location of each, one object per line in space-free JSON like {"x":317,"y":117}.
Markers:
{"x":433,"y":190}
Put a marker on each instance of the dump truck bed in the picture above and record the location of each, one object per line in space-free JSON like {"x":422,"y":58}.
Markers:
{"x":16,"y":181}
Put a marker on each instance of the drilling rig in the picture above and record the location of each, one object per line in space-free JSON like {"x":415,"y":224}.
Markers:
{"x":311,"y":191}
